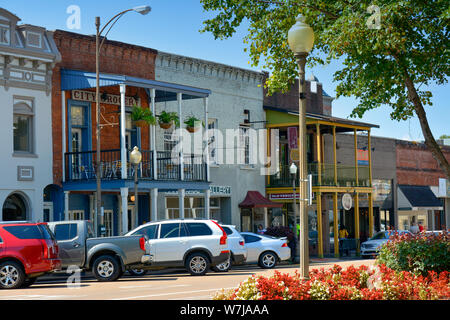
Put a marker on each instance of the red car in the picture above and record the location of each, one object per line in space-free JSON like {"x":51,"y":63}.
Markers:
{"x":27,"y":250}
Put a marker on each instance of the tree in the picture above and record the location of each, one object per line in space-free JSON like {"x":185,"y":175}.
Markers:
{"x":389,"y":49}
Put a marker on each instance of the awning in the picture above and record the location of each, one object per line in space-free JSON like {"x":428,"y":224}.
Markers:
{"x":417,"y":198}
{"x":165,"y":91}
{"x":254,"y":199}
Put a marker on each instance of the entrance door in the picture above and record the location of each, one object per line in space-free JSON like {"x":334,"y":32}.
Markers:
{"x":108,"y":220}
{"x":131,"y":218}
{"x":77,"y":142}
{"x":48,"y":211}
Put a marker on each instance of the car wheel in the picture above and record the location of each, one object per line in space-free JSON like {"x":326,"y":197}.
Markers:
{"x":138,"y":272}
{"x":106,"y":268}
{"x":267,"y":260}
{"x":197,"y":264}
{"x":12,"y":275}
{"x":223,"y":267}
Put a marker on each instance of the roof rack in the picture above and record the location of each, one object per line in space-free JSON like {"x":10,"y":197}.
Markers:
{"x":15,"y":222}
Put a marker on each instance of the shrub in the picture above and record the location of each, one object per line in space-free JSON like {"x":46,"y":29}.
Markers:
{"x":419,"y":254}
{"x":281,"y":231}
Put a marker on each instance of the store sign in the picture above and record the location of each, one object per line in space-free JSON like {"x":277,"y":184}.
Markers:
{"x":292,"y":133}
{"x":444,"y":188}
{"x":286,"y":196}
{"x":347,"y":201}
{"x":216,"y":191}
{"x":363,"y":157}
{"x":107,"y":98}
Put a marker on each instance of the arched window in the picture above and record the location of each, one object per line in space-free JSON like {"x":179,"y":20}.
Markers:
{"x":14,"y":208}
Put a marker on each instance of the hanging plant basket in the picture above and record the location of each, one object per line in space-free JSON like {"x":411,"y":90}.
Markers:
{"x":192,"y":129}
{"x":141,"y":123}
{"x":165,"y":126}
{"x":166,"y":119}
{"x":142,"y":117}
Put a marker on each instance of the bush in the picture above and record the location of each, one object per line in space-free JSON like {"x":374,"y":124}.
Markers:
{"x":419,"y":254}
{"x":362,"y":283}
{"x":281,"y":231}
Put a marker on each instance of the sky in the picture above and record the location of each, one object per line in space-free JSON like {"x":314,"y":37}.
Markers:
{"x":173,"y":26}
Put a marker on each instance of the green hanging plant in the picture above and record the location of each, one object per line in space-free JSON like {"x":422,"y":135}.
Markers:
{"x":166,"y":119}
{"x":193,"y":124}
{"x":142,"y":116}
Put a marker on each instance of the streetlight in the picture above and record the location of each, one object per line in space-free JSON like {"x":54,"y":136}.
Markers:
{"x":142,"y":10}
{"x":301,"y":40}
{"x":293,"y":172}
{"x":135,"y":159}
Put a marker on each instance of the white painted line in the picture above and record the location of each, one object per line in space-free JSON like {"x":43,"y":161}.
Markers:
{"x":153,"y":287}
{"x":171,"y":293}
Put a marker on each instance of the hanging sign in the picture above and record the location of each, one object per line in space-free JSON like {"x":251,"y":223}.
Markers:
{"x":347,"y":201}
{"x":107,"y":98}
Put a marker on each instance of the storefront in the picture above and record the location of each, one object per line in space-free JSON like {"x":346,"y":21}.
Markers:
{"x":255,"y":212}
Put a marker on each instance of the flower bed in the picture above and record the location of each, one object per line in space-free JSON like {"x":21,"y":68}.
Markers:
{"x":362,"y":283}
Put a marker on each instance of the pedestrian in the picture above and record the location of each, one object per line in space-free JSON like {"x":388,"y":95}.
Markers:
{"x":414,"y":228}
{"x":261,"y":230}
{"x":420,"y":227}
{"x":343,"y":234}
{"x":292,"y":244}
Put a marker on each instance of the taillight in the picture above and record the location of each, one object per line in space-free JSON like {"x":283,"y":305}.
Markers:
{"x":142,"y":243}
{"x":284,"y":245}
{"x":242,"y":243}
{"x":45,"y":248}
{"x":223,"y":238}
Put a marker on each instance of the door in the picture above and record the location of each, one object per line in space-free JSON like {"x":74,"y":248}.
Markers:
{"x":131,"y":217}
{"x":171,"y":244}
{"x":253,"y":245}
{"x":48,"y":211}
{"x":71,"y":246}
{"x":77,"y":141}
{"x":108,"y":221}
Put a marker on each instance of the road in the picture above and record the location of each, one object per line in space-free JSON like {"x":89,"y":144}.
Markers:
{"x":166,"y":285}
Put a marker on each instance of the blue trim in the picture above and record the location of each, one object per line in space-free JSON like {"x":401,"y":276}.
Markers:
{"x":87,"y":129}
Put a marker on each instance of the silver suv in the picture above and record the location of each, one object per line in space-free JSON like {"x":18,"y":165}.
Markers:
{"x":236,"y":244}
{"x":194,"y":244}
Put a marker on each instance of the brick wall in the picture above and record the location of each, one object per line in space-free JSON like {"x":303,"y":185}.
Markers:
{"x":78,"y":52}
{"x":416,"y":165}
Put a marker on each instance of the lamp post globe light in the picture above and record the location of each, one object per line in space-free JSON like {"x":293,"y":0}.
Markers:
{"x":142,"y":10}
{"x":301,"y":41}
{"x":135,"y":159}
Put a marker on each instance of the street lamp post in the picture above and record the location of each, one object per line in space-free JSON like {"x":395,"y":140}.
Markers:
{"x":142,"y":10}
{"x":301,"y":40}
{"x":135,"y":159}
{"x":293,"y":172}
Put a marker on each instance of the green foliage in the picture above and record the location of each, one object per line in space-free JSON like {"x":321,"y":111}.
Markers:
{"x":412,"y":41}
{"x":193,"y":122}
{"x":142,"y":114}
{"x":418,"y":254}
{"x":169,"y":117}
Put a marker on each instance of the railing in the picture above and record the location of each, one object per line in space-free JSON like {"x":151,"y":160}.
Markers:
{"x":82,"y":166}
{"x":346,"y":176}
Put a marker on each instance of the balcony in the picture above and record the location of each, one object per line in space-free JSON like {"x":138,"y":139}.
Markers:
{"x":82,"y":166}
{"x":346,"y":176}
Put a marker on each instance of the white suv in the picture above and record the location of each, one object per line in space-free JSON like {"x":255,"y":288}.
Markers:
{"x":194,"y":244}
{"x":236,"y":244}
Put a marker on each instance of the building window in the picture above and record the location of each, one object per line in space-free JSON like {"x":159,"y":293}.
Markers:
{"x":244,"y":145}
{"x":212,"y":140}
{"x":14,"y":208}
{"x":109,"y":222}
{"x":170,"y":141}
{"x":5,"y":34}
{"x":23,"y":126}
{"x":76,"y":215}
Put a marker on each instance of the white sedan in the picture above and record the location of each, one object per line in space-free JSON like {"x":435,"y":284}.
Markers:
{"x":265,"y":250}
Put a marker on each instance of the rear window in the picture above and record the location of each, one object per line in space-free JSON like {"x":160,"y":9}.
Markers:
{"x":46,"y":232}
{"x":25,"y":232}
{"x":149,"y":231}
{"x":65,"y":231}
{"x":170,"y":230}
{"x":228,"y":231}
{"x":198,"y":229}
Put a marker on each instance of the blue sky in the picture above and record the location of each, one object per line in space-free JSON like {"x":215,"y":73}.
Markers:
{"x":173,"y":26}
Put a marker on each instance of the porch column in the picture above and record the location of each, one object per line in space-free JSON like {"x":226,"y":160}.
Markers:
{"x":180,"y":137}
{"x":206,"y":137}
{"x":123,"y":150}
{"x":355,"y":137}
{"x":207,"y":203}
{"x":335,"y":225}
{"x":319,"y":154}
{"x":370,"y":215}
{"x":181,"y":195}
{"x":153,"y":137}
{"x":124,"y":209}
{"x":63,"y":129}
{"x":319,"y":226}
{"x":154,"y":208}
{"x":356,"y":221}
{"x":66,"y":205}
{"x":335,"y":157}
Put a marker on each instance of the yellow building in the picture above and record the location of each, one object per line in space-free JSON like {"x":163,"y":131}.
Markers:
{"x":331,"y":180}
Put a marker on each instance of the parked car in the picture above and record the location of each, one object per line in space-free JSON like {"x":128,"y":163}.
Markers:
{"x":27,"y":251}
{"x":371,"y":247}
{"x":106,"y":257}
{"x":194,"y":244}
{"x":238,"y":251}
{"x":265,"y":250}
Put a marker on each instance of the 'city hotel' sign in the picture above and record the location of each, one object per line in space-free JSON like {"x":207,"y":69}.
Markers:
{"x":107,"y":98}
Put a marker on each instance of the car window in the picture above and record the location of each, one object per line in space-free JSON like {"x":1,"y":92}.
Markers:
{"x":25,"y":232}
{"x":46,"y":233}
{"x":169,"y":230}
{"x":90,"y":231}
{"x":1,"y":241}
{"x":249,"y":238}
{"x":198,"y":229}
{"x":66,"y":231}
{"x":150,"y":231}
{"x":228,"y":230}
{"x":379,"y":235}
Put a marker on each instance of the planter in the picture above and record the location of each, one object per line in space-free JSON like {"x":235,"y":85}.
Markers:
{"x":140,"y":123}
{"x":165,"y":126}
{"x":192,"y":129}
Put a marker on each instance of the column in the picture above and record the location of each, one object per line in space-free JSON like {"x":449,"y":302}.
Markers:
{"x":319,"y":226}
{"x":206,"y":137}
{"x":335,"y":157}
{"x":123,"y":150}
{"x":335,"y":225}
{"x":154,"y":204}
{"x":370,"y":215}
{"x":180,"y":141}
{"x":319,"y":154}
{"x":153,"y":137}
{"x":181,"y":195}
{"x":66,"y":205}
{"x":207,"y":203}
{"x":63,"y":130}
{"x":356,"y":221}
{"x":355,"y":137}
{"x":124,"y":204}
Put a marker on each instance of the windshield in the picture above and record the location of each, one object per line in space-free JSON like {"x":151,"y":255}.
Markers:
{"x":380,"y":235}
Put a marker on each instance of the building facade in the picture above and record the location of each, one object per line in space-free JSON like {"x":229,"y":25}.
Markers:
{"x":27,"y":57}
